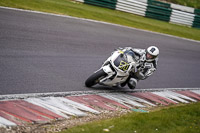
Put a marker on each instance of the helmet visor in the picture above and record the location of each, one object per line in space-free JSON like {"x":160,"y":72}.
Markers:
{"x":149,"y":56}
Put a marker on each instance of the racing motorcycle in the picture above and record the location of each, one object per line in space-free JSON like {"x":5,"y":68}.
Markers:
{"x":115,"y":70}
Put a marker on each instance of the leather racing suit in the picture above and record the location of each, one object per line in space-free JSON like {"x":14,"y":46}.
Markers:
{"x":144,"y":70}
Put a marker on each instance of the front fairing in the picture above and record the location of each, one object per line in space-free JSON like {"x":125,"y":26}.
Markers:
{"x":121,"y":64}
{"x":122,"y":60}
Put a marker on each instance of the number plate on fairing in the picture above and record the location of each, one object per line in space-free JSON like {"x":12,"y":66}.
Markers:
{"x":121,"y":63}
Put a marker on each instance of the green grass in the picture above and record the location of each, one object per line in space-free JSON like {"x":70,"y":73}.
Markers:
{"x":178,"y":119}
{"x":190,"y":3}
{"x":72,"y":8}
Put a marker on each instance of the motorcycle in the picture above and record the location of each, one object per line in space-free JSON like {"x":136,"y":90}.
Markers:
{"x":115,"y":70}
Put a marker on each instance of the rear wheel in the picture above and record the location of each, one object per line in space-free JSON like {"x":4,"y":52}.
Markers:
{"x":94,"y":78}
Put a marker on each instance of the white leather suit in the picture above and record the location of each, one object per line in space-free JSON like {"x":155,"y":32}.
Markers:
{"x":145,"y":69}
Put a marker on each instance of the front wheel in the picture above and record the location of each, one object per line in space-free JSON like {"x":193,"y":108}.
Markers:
{"x":94,"y":78}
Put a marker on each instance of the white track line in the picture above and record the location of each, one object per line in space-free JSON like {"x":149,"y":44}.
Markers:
{"x":70,"y":93}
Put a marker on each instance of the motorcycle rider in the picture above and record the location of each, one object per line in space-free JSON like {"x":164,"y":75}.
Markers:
{"x":147,"y":64}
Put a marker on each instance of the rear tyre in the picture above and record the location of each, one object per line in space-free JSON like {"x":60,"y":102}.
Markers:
{"x":94,"y":78}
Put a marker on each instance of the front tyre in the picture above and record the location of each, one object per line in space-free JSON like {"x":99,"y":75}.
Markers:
{"x":94,"y":78}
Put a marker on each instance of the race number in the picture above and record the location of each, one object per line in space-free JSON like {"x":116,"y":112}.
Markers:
{"x":123,"y":66}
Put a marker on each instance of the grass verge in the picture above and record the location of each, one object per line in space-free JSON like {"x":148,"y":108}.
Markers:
{"x":71,"y":8}
{"x":178,"y":119}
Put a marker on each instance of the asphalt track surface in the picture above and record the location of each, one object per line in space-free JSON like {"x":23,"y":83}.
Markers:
{"x":44,"y":53}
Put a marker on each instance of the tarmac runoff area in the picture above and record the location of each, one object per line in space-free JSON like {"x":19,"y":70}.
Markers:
{"x":32,"y":109}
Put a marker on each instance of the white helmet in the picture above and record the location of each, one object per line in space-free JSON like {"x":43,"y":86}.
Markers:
{"x":151,"y":53}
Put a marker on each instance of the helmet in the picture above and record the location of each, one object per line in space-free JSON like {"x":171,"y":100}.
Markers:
{"x":151,"y":53}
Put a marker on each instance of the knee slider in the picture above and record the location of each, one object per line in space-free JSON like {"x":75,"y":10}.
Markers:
{"x":132,"y":83}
